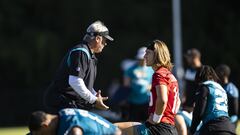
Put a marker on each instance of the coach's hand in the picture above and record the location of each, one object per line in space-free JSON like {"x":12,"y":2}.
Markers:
{"x":99,"y":102}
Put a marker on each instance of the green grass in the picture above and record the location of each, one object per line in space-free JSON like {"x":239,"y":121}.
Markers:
{"x":14,"y":131}
{"x":238,"y":128}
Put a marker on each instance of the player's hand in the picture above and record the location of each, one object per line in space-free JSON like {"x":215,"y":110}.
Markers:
{"x":99,"y":102}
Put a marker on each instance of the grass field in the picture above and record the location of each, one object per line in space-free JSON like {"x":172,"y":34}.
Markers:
{"x":24,"y":130}
{"x":14,"y":131}
{"x":238,"y":128}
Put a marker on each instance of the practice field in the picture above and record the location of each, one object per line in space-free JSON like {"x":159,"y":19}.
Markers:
{"x":24,"y":130}
{"x":238,"y":128}
{"x":14,"y":131}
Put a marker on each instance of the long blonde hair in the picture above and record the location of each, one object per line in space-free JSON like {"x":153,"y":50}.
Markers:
{"x":161,"y":55}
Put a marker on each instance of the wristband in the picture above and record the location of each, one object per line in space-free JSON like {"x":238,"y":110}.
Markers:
{"x":157,"y":118}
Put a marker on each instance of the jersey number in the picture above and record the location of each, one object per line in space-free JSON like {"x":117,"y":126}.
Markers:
{"x":221,"y":101}
{"x":175,"y":102}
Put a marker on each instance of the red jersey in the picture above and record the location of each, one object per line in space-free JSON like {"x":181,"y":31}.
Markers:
{"x":164,"y":77}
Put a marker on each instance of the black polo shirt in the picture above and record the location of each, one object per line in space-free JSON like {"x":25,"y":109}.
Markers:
{"x":83,"y":64}
{"x":80,"y":62}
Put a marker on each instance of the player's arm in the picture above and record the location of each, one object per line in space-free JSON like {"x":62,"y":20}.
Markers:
{"x":201,"y":103}
{"x":127,"y":78}
{"x":180,"y":125}
{"x":76,"y":131}
{"x":161,"y":102}
{"x":126,"y":81}
{"x":235,"y":106}
{"x":233,"y":103}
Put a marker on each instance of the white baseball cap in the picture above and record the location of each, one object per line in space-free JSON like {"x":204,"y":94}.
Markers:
{"x":98,"y":28}
{"x":141,"y":52}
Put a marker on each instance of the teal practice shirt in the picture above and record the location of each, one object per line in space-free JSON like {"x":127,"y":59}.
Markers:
{"x":90,"y":123}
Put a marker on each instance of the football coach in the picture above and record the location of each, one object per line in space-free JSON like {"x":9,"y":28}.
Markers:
{"x":72,"y":86}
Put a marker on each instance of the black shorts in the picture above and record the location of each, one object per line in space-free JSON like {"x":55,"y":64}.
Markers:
{"x":219,"y":126}
{"x":160,"y":129}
